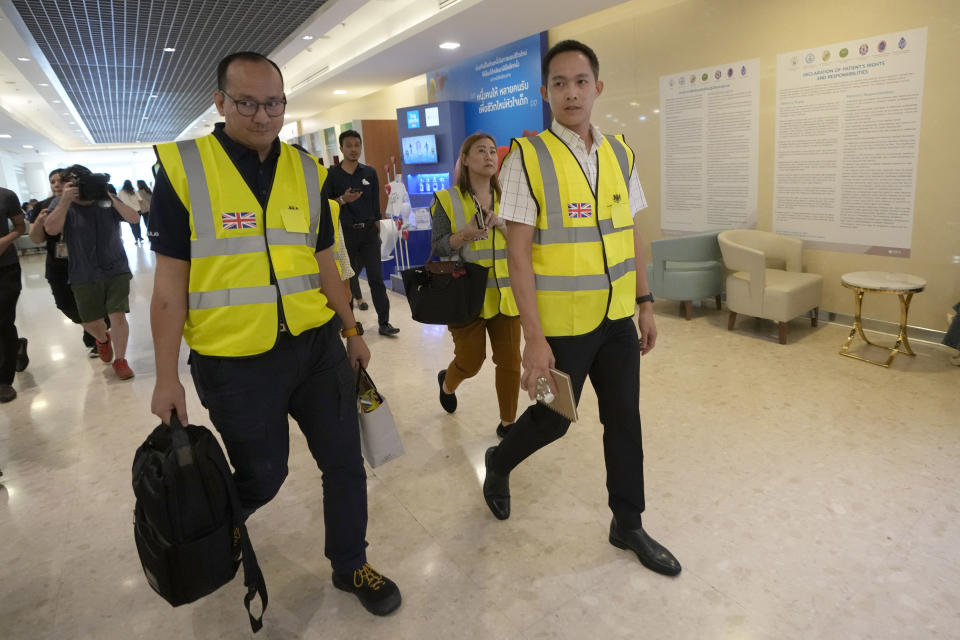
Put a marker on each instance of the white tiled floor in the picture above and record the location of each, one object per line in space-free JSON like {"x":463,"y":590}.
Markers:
{"x":807,"y":496}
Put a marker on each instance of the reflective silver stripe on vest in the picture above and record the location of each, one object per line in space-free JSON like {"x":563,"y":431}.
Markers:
{"x":622,"y":159}
{"x":282,"y":236}
{"x":498,"y":283}
{"x":551,"y":183}
{"x":472,"y":255}
{"x":619,"y":270}
{"x":311,"y":175}
{"x":232,"y":297}
{"x":459,"y":216}
{"x":565,"y":235}
{"x":200,"y":206}
{"x":210,"y":247}
{"x":298,"y":284}
{"x":572,"y":283}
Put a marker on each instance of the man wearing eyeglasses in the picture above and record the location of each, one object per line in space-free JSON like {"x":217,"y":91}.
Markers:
{"x":241,"y":227}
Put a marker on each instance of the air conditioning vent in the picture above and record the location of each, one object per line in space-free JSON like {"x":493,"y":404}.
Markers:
{"x":313,"y":76}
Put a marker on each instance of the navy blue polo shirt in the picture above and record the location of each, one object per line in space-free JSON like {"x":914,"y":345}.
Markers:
{"x":169,"y":220}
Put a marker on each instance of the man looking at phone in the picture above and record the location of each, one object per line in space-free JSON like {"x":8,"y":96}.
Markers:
{"x":89,"y":218}
{"x":356,"y":189}
{"x":577,"y":272}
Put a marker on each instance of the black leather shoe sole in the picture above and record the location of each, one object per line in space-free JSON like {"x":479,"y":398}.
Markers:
{"x":447,"y":400}
{"x":496,"y":489}
{"x":388,"y":330}
{"x":651,"y":554}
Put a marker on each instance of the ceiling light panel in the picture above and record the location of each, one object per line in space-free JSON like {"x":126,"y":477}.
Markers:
{"x":109,"y":55}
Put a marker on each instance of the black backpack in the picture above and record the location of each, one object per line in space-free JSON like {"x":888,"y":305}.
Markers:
{"x":188,"y":524}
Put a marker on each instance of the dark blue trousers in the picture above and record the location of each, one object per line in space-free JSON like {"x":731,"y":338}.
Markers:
{"x":610,"y":355}
{"x":306,"y":377}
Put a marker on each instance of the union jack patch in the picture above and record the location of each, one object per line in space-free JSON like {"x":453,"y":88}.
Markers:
{"x":580,"y":209}
{"x":245,"y":220}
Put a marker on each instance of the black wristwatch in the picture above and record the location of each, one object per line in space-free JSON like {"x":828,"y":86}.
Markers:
{"x":645,"y":298}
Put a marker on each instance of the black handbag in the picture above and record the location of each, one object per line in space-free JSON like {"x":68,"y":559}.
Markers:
{"x":445,"y":292}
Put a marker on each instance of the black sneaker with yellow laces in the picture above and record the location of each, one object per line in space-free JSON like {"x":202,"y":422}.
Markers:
{"x":377,"y":593}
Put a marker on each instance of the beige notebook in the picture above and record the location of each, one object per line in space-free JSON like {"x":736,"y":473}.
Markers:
{"x":563,"y":401}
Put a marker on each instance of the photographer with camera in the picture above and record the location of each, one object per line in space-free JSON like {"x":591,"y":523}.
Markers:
{"x":89,"y":218}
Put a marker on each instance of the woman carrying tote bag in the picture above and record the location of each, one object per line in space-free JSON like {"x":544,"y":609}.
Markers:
{"x":465,"y":223}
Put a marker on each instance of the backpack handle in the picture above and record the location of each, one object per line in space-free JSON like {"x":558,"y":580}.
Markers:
{"x":181,"y":441}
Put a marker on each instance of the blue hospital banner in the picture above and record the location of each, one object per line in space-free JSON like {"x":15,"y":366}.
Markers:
{"x":501,"y":89}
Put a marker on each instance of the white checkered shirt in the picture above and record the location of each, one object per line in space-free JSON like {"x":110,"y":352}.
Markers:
{"x":517,"y":203}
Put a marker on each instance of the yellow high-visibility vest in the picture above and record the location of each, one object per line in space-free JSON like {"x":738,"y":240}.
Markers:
{"x":490,"y":252}
{"x":234,"y":245}
{"x":583,"y":253}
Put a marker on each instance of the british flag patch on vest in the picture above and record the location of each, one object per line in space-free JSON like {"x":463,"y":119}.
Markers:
{"x":245,"y":220}
{"x":580,"y":209}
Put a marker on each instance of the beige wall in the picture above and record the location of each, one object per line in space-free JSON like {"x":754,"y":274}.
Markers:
{"x":639,"y":41}
{"x":381,"y":105}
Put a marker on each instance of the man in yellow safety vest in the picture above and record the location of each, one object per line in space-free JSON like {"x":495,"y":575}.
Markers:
{"x":241,"y":227}
{"x":577,"y":271}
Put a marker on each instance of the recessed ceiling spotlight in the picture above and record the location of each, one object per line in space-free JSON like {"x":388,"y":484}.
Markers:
{"x":641,"y":118}
{"x":28,"y":146}
{"x":44,"y":84}
{"x":339,"y":92}
{"x":656,"y":110}
{"x":153,"y":95}
{"x":5,"y":135}
{"x":168,"y":49}
{"x":55,"y":101}
{"x":307,"y":38}
{"x":146,"y":117}
{"x":24,"y":59}
{"x":450,"y":45}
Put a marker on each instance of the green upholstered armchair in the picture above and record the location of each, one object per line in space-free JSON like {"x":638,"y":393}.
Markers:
{"x":686,"y":268}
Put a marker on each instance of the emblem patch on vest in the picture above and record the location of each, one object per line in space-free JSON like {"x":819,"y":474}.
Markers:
{"x":580,"y":209}
{"x":245,"y":220}
{"x":616,"y":197}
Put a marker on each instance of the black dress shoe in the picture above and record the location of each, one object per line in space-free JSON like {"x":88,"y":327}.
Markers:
{"x":387,"y":329}
{"x":651,"y":553}
{"x":503,"y":430}
{"x":377,"y":593}
{"x":447,"y":400}
{"x":496,"y":489}
{"x":22,"y":358}
{"x":363,"y":306}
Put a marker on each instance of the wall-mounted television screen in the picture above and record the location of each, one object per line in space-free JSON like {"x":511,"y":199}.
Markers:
{"x":419,"y":149}
{"x":424,"y":184}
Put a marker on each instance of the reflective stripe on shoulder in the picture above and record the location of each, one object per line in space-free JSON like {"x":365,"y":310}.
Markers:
{"x":200,"y":204}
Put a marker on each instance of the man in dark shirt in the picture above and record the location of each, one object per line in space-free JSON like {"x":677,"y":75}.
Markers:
{"x":57,"y":269}
{"x":356,"y":188}
{"x":12,"y":227}
{"x":97,"y":264}
{"x":307,"y":374}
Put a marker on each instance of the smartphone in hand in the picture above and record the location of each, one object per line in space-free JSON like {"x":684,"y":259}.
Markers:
{"x":479,"y":216}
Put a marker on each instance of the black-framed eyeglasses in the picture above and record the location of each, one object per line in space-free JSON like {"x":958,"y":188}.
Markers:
{"x":248,"y":108}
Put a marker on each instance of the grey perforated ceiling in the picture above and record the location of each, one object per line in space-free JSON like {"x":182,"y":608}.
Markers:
{"x":109,"y":55}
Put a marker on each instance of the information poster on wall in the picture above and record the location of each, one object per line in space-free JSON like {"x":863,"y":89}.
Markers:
{"x":848,"y":134}
{"x":708,"y":147}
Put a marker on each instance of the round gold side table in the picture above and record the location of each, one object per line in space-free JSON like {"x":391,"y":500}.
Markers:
{"x":903,"y":285}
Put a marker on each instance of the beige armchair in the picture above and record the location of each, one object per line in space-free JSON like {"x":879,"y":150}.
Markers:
{"x":767,"y":278}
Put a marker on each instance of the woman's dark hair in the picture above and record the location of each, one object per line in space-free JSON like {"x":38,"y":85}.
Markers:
{"x":127,"y":186}
{"x":463,"y":175}
{"x":57,"y":171}
{"x":563,"y":47}
{"x":143,"y":185}
{"x":350,"y":133}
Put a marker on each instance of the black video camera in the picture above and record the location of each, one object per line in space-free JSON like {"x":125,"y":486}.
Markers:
{"x":93,"y":186}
